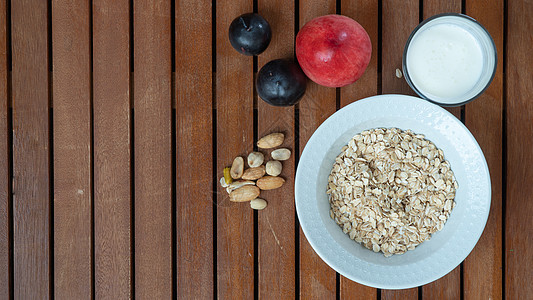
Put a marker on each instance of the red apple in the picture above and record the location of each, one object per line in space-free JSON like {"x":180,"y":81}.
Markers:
{"x":333,"y":50}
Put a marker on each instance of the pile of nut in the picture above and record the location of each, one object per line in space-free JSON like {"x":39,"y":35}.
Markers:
{"x":246,"y":185}
{"x":390,"y":189}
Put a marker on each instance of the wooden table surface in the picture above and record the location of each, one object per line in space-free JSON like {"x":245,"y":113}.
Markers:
{"x":117,"y":118}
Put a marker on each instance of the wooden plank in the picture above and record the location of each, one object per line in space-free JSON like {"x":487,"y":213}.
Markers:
{"x":152,"y":149}
{"x":194,"y":207}
{"x":111,"y":106}
{"x":399,"y":18}
{"x":433,"y":7}
{"x":276,"y":230}
{"x":72,"y":149}
{"x":519,"y":207}
{"x":449,"y":286}
{"x":366,"y":13}
{"x":317,"y":279}
{"x":484,"y":118}
{"x":31,"y":150}
{"x":399,"y":294}
{"x":234,"y":104}
{"x":5,"y":214}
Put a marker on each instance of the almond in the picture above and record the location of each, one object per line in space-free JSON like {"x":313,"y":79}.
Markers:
{"x":237,"y":184}
{"x":237,"y":167}
{"x":255,"y":159}
{"x":273,"y":168}
{"x":258,"y":204}
{"x":270,"y":182}
{"x":271,"y":141}
{"x":254,"y":173}
{"x":281,"y":154}
{"x":244,"y":193}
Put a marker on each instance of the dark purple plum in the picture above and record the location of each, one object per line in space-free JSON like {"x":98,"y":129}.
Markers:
{"x":250,"y":34}
{"x":281,"y":82}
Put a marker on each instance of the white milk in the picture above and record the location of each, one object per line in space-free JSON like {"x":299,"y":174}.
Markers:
{"x":444,"y":61}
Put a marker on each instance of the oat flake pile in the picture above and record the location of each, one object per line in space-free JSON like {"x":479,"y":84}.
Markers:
{"x":390,"y":190}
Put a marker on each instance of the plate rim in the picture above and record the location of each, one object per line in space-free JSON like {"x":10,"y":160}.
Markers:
{"x":306,"y":228}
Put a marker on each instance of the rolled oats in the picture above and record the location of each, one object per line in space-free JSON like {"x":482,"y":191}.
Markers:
{"x":390,"y":189}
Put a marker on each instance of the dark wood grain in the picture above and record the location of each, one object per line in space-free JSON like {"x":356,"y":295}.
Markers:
{"x":234,"y":104}
{"x":449,"y":286}
{"x":194,"y":208}
{"x":5,"y":214}
{"x":152,"y":149}
{"x":112,"y":169}
{"x":433,"y":7}
{"x":519,"y":116}
{"x":484,"y":118}
{"x":132,"y":150}
{"x":317,"y":280}
{"x":399,"y":294}
{"x":399,"y":18}
{"x":276,"y":231}
{"x":72,"y":149}
{"x":366,"y":13}
{"x":31,"y":150}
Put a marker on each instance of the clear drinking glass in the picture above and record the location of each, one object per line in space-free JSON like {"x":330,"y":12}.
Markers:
{"x":488,"y":60}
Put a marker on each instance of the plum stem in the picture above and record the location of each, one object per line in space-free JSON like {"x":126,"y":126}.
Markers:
{"x":244,"y":24}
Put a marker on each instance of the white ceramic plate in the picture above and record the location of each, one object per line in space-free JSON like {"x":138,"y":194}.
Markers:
{"x":430,"y":260}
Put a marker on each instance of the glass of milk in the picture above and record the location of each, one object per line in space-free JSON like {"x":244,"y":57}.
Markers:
{"x":449,"y":59}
